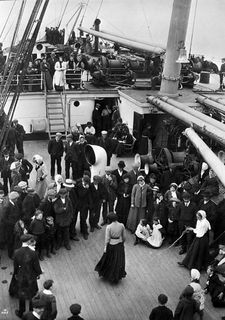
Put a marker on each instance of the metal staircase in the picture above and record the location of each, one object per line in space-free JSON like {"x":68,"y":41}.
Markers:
{"x":55,"y":113}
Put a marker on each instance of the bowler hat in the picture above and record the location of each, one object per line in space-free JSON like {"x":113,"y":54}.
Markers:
{"x":26,"y":237}
{"x":62,"y":191}
{"x":75,"y":308}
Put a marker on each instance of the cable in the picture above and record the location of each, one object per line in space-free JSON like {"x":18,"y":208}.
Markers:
{"x":81,"y":21}
{"x":99,"y":10}
{"x":146,"y":20}
{"x":8,"y":18}
{"x":63,"y":13}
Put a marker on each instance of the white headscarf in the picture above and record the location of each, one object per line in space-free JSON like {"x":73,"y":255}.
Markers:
{"x":195,"y":274}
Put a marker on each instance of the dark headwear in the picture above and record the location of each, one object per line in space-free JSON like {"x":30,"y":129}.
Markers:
{"x":26,"y":237}
{"x":48,"y":283}
{"x":126,"y":176}
{"x":186,"y":196}
{"x":75,"y":308}
{"x":121,"y":164}
{"x":152,"y":176}
{"x":62,"y":191}
{"x":18,"y":156}
{"x":86,"y":179}
{"x":112,"y":217}
{"x":162,"y":298}
{"x":207,"y":194}
{"x":188,"y":291}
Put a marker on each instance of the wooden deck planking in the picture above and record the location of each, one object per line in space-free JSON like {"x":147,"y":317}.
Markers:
{"x":149,"y":272}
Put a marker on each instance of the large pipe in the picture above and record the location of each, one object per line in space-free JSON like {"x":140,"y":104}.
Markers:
{"x":159,"y":45}
{"x":208,"y":155}
{"x":124,"y":42}
{"x":194,"y":113}
{"x":96,"y":43}
{"x":200,"y":125}
{"x":96,"y":156}
{"x":209,"y":102}
{"x":175,"y":42}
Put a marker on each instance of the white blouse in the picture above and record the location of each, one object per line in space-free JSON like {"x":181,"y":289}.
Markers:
{"x":202,"y":227}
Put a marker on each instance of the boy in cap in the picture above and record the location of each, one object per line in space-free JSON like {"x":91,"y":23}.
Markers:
{"x":161,"y":312}
{"x":26,"y":270}
{"x":49,"y":301}
{"x":5,"y":164}
{"x":38,"y":309}
{"x":75,"y":309}
{"x":55,"y":150}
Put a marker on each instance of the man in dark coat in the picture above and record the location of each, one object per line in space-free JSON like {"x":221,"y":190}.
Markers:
{"x":99,"y":196}
{"x":11,"y":140}
{"x":63,"y":216}
{"x":25,"y":167}
{"x":110,"y":183}
{"x":20,"y":133}
{"x":26,"y":270}
{"x":71,"y":158}
{"x":46,"y":205}
{"x":11,"y":214}
{"x":118,"y":173}
{"x":161,"y":312}
{"x":84,"y":204}
{"x":133,"y":174}
{"x":186,"y":218}
{"x":56,"y":149}
{"x":106,"y":143}
{"x":96,"y":119}
{"x":29,"y":204}
{"x":72,"y":193}
{"x":5,"y":163}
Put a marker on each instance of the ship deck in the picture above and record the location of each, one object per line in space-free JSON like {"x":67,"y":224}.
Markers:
{"x":149,"y":273}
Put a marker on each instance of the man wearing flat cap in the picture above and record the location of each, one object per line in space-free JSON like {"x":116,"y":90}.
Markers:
{"x":11,"y":214}
{"x":5,"y":163}
{"x":25,"y":167}
{"x":72,"y":157}
{"x":26,"y":270}
{"x":55,"y":150}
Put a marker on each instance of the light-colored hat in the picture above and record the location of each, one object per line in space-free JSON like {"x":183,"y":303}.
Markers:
{"x":140,"y":178}
{"x":22,"y":184}
{"x":15,"y":165}
{"x":68,"y":183}
{"x":13,"y":195}
{"x":104,"y":132}
{"x":155,"y":188}
{"x":58,"y":134}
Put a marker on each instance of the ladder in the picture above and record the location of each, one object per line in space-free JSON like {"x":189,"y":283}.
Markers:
{"x":55,"y":113}
{"x":18,"y":66}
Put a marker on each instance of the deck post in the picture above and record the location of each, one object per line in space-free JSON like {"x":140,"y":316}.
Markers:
{"x":176,"y":40}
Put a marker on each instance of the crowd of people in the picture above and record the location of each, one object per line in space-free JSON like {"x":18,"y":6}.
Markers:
{"x":152,"y":206}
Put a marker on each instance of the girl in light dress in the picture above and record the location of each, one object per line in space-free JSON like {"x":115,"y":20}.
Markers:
{"x":154,"y":238}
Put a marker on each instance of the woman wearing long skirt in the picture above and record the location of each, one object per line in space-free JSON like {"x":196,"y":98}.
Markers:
{"x":197,"y":255}
{"x":112,"y":264}
{"x":138,"y":204}
{"x":41,"y":183}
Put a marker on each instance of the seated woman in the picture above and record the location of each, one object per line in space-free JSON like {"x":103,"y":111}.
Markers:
{"x":215,"y":285}
{"x":157,"y":237}
{"x":143,"y":232}
{"x":172,"y":192}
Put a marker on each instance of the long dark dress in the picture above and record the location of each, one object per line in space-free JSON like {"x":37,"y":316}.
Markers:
{"x":198,"y":254}
{"x":123,"y":201}
{"x":112,"y":264}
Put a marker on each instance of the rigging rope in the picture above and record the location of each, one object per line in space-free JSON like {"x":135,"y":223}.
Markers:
{"x":8,"y":18}
{"x":146,"y":20}
{"x":81,"y":21}
{"x":98,"y":10}
{"x":63,"y":13}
